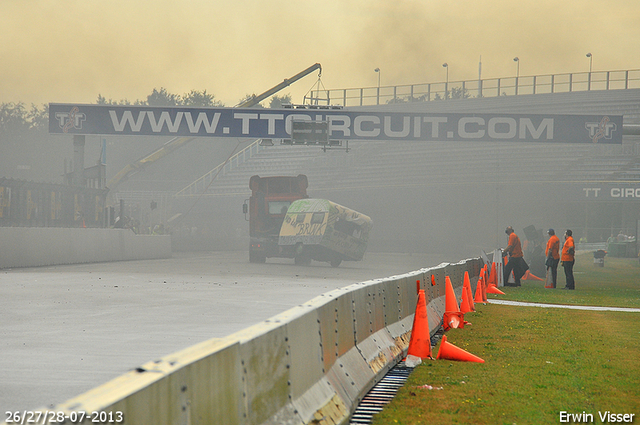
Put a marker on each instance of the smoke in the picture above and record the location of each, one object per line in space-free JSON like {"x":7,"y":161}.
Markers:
{"x":71,"y":51}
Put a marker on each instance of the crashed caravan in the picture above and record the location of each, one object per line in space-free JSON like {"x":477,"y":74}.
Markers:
{"x":321,"y":230}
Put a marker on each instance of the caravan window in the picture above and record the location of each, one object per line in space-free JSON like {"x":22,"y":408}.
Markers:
{"x":348,"y":227}
{"x":317,"y":217}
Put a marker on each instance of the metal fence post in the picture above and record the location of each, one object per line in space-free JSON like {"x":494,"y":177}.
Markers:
{"x":534,"y":84}
{"x":626,"y":80}
{"x":570,"y":82}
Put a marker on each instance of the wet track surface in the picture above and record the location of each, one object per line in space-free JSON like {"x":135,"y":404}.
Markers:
{"x":67,"y":329}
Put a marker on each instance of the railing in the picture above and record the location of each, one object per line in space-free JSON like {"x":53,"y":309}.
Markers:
{"x":537,"y":84}
{"x":201,"y":184}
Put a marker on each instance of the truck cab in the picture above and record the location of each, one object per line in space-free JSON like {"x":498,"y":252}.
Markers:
{"x":267,"y":207}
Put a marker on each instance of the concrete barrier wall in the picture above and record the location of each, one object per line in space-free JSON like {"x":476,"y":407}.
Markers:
{"x":46,"y":246}
{"x":310,"y":364}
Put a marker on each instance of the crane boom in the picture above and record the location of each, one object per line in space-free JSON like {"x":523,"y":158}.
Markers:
{"x":288,"y":81}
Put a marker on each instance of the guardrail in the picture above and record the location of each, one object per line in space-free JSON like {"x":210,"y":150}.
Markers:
{"x":311,"y":364}
{"x":425,"y":92}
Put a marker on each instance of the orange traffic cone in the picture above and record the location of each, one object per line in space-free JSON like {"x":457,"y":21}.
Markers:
{"x":530,"y":276}
{"x":449,"y":351}
{"x":549,"y":280}
{"x":420,"y":342}
{"x":493,"y":289}
{"x":451,"y":302}
{"x":433,"y":280}
{"x":453,"y":318}
{"x":465,"y":307}
{"x":467,"y":287}
{"x":492,"y":276}
{"x":479,"y":289}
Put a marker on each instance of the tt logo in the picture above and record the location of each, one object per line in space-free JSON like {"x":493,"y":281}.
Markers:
{"x":594,"y":191}
{"x":598,"y":130}
{"x":71,"y":120}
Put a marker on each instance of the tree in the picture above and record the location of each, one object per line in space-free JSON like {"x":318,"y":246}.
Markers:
{"x":39,"y":118}
{"x":124,"y":102}
{"x":459,"y":93}
{"x":13,"y":118}
{"x":278,"y":101}
{"x":454,"y":93}
{"x":162,"y":98}
{"x":200,"y":99}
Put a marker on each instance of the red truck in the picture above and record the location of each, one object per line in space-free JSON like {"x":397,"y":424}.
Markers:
{"x":267,"y":207}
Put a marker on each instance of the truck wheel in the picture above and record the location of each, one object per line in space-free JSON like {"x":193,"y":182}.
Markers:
{"x":336,"y":262}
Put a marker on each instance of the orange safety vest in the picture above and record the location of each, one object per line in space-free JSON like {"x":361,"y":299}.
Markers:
{"x":565,"y":249}
{"x":514,"y":244}
{"x":553,"y":245}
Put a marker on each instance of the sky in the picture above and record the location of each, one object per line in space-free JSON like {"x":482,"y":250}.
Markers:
{"x":71,"y":51}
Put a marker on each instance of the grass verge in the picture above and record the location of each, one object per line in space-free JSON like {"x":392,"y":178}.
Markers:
{"x":538,"y":361}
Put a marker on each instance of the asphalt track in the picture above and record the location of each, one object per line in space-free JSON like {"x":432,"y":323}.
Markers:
{"x":67,"y":329}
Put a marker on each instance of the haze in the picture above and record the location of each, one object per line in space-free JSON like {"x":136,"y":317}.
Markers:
{"x":71,"y":51}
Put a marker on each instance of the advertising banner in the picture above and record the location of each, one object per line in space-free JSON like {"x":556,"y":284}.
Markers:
{"x":343,"y":124}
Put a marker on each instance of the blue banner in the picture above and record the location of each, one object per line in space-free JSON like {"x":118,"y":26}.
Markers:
{"x":343,"y":124}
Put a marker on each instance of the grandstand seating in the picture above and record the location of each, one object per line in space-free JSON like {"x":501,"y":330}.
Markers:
{"x":396,"y":163}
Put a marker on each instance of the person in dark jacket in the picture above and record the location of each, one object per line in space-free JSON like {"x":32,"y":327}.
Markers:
{"x":516,"y":261}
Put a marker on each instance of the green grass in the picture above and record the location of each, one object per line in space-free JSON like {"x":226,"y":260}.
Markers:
{"x":614,"y":285}
{"x":538,"y":361}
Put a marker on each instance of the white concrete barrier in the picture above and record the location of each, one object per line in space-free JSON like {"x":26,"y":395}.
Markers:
{"x":46,"y":246}
{"x":310,"y":364}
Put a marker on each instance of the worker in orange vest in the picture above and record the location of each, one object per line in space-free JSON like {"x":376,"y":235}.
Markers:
{"x":516,"y":261}
{"x":553,"y":255}
{"x":568,"y":259}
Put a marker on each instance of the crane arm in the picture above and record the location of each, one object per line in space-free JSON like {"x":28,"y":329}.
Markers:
{"x":259,"y":98}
